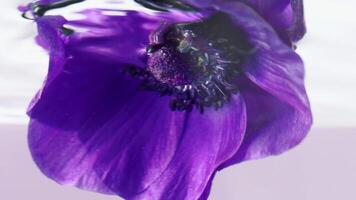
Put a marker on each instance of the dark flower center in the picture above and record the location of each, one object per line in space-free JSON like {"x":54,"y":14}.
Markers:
{"x":196,"y":63}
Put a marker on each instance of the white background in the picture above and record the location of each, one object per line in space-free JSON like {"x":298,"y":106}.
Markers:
{"x":322,"y":167}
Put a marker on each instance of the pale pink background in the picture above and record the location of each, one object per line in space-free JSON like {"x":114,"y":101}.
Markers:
{"x":322,"y":167}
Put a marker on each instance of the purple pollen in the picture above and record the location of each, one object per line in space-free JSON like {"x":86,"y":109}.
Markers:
{"x":170,"y":67}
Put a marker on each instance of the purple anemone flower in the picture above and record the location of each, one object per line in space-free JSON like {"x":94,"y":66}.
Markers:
{"x":149,"y":103}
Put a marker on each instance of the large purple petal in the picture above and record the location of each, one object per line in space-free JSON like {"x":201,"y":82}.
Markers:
{"x":118,"y":155}
{"x":278,"y":109}
{"x":121,"y":148}
{"x":273,"y":126}
{"x":84,"y":90}
{"x":271,"y":64}
{"x":286,"y":16}
{"x":90,"y":126}
{"x":208,"y":140}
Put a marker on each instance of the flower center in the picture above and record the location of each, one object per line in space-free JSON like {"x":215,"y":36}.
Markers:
{"x":196,"y":63}
{"x":171,"y":67}
{"x":183,"y":59}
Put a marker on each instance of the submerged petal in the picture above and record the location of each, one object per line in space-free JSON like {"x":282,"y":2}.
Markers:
{"x":278,"y":109}
{"x":87,"y":108}
{"x":286,"y":16}
{"x":273,"y":126}
{"x":208,"y":140}
{"x":124,"y":144}
{"x":167,"y":156}
{"x":272,"y":65}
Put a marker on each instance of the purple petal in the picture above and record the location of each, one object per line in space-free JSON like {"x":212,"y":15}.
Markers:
{"x":286,"y":16}
{"x":207,"y":141}
{"x":279,"y":115}
{"x":207,"y":190}
{"x":112,"y":153}
{"x":90,"y":126}
{"x":297,"y":29}
{"x":272,"y":65}
{"x":120,"y":148}
{"x":85,"y":90}
{"x":273,"y":126}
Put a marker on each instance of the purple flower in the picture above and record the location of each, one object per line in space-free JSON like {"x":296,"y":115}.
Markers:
{"x":151,"y":104}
